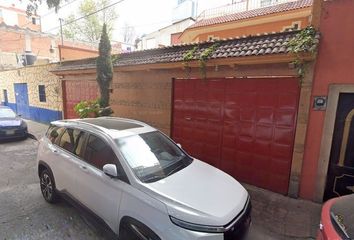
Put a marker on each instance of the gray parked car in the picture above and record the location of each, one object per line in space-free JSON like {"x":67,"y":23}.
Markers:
{"x":11,"y":125}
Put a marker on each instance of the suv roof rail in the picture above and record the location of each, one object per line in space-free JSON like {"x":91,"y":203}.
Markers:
{"x":78,"y":122}
{"x":124,"y":119}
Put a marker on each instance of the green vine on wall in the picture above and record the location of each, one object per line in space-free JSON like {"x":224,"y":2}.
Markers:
{"x":188,"y":57}
{"x":305,"y":41}
{"x":202,"y":58}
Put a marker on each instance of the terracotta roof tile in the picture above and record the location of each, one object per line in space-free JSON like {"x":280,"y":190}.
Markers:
{"x":249,"y":46}
{"x":253,"y":13}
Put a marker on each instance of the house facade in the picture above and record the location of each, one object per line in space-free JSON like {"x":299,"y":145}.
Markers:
{"x":12,"y":16}
{"x":247,"y":112}
{"x":23,"y":43}
{"x":293,"y":15}
{"x":327,"y":169}
{"x":166,"y":36}
{"x":249,"y":98}
{"x":33,"y":92}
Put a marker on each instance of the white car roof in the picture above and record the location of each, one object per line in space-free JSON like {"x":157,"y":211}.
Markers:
{"x":115,"y":127}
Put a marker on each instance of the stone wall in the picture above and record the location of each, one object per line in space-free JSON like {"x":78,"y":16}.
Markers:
{"x":34,"y":76}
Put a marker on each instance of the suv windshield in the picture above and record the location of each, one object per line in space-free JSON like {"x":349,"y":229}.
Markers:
{"x":152,"y":156}
{"x":6,"y":113}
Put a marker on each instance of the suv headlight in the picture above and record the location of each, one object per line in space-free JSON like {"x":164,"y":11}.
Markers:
{"x":197,"y":227}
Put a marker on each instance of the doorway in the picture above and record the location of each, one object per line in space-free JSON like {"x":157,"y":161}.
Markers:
{"x":340,"y":177}
{"x":5,"y":98}
{"x":21,"y":96}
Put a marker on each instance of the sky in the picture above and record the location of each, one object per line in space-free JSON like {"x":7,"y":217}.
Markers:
{"x":145,"y":15}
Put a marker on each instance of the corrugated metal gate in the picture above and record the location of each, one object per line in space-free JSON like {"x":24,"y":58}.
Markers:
{"x":245,"y":127}
{"x":75,"y":91}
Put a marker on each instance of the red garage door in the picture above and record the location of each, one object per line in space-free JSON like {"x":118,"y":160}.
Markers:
{"x":76,"y":91}
{"x":245,"y":127}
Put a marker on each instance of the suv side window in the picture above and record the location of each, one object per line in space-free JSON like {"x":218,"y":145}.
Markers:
{"x":54,"y":133}
{"x":73,"y":140}
{"x":98,"y":153}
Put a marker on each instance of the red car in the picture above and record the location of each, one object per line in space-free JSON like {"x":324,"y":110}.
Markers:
{"x":337,"y":219}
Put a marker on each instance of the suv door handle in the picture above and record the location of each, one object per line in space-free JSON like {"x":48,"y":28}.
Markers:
{"x":84,"y":168}
{"x":53,"y":149}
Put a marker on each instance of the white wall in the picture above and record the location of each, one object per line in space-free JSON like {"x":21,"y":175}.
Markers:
{"x":184,"y":10}
{"x":163,"y":36}
{"x":9,"y":17}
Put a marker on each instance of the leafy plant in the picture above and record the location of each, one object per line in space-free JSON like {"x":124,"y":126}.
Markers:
{"x":89,"y":29}
{"x":204,"y":57}
{"x":104,"y":67}
{"x":304,"y":41}
{"x":188,"y":56}
{"x":92,"y":108}
{"x":87,"y":109}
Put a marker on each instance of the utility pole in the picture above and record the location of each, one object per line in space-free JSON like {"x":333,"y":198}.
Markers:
{"x":61,"y":36}
{"x":61,"y":31}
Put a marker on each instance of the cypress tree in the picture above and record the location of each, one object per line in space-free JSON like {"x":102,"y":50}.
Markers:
{"x":104,"y":67}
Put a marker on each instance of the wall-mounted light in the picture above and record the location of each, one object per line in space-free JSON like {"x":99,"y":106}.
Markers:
{"x":320,"y":103}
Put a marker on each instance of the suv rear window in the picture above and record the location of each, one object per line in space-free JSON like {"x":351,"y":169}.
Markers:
{"x":72,"y":140}
{"x":54,"y":132}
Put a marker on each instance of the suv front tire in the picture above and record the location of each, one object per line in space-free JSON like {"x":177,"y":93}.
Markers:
{"x":48,"y":186}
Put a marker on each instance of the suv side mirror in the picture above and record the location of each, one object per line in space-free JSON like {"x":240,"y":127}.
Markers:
{"x":110,"y":170}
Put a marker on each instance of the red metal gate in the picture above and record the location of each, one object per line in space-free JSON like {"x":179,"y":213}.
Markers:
{"x":245,"y":127}
{"x":75,"y":91}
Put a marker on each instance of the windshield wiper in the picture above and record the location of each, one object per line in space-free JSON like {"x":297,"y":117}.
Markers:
{"x":175,"y":169}
{"x":153,"y":178}
{"x":340,"y":225}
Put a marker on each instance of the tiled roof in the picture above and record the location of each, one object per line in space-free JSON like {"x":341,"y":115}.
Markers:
{"x":232,"y":48}
{"x":253,"y":13}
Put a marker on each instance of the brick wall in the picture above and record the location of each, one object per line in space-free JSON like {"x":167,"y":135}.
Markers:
{"x":146,"y":95}
{"x":44,"y":46}
{"x":74,"y":53}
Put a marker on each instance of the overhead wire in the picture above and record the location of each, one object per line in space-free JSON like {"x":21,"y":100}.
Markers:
{"x":67,"y":23}
{"x":85,"y":16}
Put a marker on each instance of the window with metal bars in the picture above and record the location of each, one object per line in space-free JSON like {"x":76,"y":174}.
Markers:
{"x":42,"y":95}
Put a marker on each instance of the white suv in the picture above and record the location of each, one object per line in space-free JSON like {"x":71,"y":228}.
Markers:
{"x":139,"y":182}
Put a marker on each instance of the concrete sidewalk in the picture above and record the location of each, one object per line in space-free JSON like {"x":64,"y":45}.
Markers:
{"x":275,"y":216}
{"x":37,"y":129}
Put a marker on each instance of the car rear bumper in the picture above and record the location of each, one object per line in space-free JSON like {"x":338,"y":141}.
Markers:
{"x":19,"y":133}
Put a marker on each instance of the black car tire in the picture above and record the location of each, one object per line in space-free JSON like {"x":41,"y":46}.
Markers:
{"x":47,"y":185}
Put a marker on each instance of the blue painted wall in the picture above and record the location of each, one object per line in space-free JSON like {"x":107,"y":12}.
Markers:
{"x":40,"y":114}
